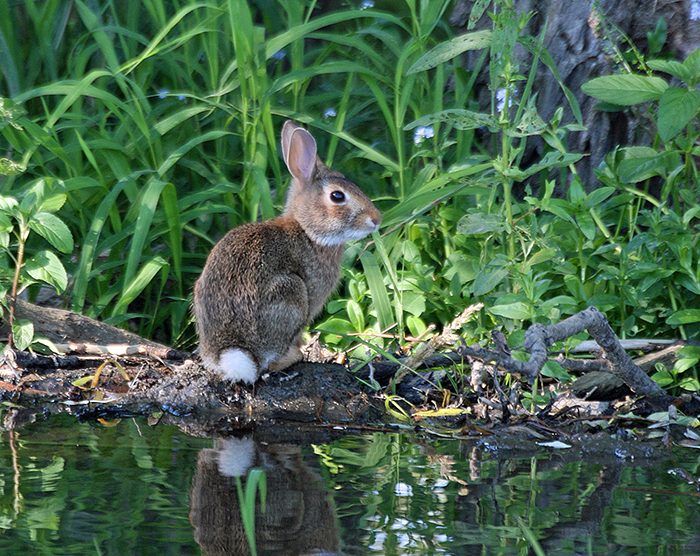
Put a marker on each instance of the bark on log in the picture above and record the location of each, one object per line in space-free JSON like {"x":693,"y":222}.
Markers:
{"x":572,"y":34}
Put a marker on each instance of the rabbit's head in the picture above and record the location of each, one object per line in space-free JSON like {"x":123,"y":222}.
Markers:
{"x":329,"y":207}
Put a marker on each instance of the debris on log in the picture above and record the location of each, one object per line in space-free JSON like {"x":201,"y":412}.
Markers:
{"x":108,"y":371}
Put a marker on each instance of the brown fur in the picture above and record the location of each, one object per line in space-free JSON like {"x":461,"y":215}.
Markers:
{"x":264,"y":282}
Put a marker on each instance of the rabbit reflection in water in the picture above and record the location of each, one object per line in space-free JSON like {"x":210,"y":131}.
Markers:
{"x":265,"y":281}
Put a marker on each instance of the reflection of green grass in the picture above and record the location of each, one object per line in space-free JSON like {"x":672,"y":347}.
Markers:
{"x":439,"y":496}
{"x":69,"y":487}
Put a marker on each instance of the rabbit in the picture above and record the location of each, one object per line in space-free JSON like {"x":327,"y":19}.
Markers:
{"x":264,"y":282}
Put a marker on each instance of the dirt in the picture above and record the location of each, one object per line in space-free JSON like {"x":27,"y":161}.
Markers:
{"x":317,"y":401}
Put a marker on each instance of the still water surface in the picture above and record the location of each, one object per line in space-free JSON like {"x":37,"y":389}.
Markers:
{"x":125,"y":488}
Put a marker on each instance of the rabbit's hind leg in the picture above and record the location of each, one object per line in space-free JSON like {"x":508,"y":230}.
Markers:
{"x":283,"y":319}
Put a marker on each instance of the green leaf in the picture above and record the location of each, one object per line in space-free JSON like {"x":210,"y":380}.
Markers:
{"x":544,"y":255}
{"x":52,"y":229}
{"x":45,"y":267}
{"x":676,"y":108}
{"x":450,"y":49}
{"x":625,"y":90}
{"x":672,"y":67}
{"x":641,"y":163}
{"x":9,"y":205}
{"x":597,"y":196}
{"x":554,"y":159}
{"x":5,"y":224}
{"x":479,"y":223}
{"x":516,"y":310}
{"x":357,"y":317}
{"x":22,"y":334}
{"x":487,"y":279}
{"x":684,"y":316}
{"x":380,"y":295}
{"x":692,"y":64}
{"x":138,"y":284}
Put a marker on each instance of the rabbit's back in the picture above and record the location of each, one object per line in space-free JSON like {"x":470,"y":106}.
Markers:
{"x":261,"y":285}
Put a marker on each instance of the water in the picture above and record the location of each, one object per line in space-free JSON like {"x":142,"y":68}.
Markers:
{"x":126,"y":487}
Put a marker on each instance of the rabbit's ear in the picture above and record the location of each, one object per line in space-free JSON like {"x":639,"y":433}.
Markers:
{"x":299,"y":151}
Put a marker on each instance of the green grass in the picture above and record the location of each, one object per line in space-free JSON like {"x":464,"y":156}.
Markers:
{"x":162,"y":119}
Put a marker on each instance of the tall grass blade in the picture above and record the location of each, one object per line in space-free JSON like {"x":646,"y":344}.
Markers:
{"x":380,"y":295}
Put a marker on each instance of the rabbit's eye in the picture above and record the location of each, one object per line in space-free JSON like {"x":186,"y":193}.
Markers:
{"x":337,"y":196}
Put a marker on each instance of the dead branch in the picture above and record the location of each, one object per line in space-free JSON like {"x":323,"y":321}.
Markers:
{"x":539,"y":337}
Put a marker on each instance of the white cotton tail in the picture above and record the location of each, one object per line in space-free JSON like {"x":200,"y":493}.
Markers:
{"x":237,"y":365}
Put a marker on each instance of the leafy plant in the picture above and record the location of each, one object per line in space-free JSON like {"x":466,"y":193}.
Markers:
{"x":33,"y":212}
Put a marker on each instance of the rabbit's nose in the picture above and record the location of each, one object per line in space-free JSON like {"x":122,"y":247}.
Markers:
{"x":374,"y":220}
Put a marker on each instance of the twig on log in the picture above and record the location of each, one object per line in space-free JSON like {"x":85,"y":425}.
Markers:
{"x":121,"y":350}
{"x":424,"y":351}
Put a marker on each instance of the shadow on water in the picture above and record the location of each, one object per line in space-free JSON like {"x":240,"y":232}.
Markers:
{"x":130,"y":487}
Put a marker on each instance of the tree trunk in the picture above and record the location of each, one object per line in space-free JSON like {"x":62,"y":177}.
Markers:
{"x":577,"y":34}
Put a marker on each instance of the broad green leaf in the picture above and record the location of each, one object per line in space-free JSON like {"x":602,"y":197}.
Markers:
{"x":8,"y":205}
{"x":357,"y":317}
{"x":599,"y":195}
{"x":692,"y":64}
{"x":663,"y":378}
{"x":691,"y":384}
{"x":672,"y":67}
{"x":641,"y":163}
{"x":46,"y":267}
{"x":46,"y":195}
{"x":516,"y":310}
{"x":541,"y":256}
{"x":487,"y":279}
{"x":52,"y":229}
{"x":479,"y":223}
{"x":450,"y":49}
{"x":676,"y":108}
{"x":625,"y":90}
{"x":22,"y":334}
{"x":586,"y":224}
{"x":684,"y":316}
{"x":5,"y":224}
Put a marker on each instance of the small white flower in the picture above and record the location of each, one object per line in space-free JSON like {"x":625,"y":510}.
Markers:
{"x":330,"y":113}
{"x":694,"y":9}
{"x":366,"y":4}
{"x":501,"y":100}
{"x":423,"y":132}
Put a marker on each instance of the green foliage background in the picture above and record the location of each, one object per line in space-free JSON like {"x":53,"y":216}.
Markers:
{"x":158,"y":123}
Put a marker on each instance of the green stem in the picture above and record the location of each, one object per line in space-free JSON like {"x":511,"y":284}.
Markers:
{"x":23,"y":234}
